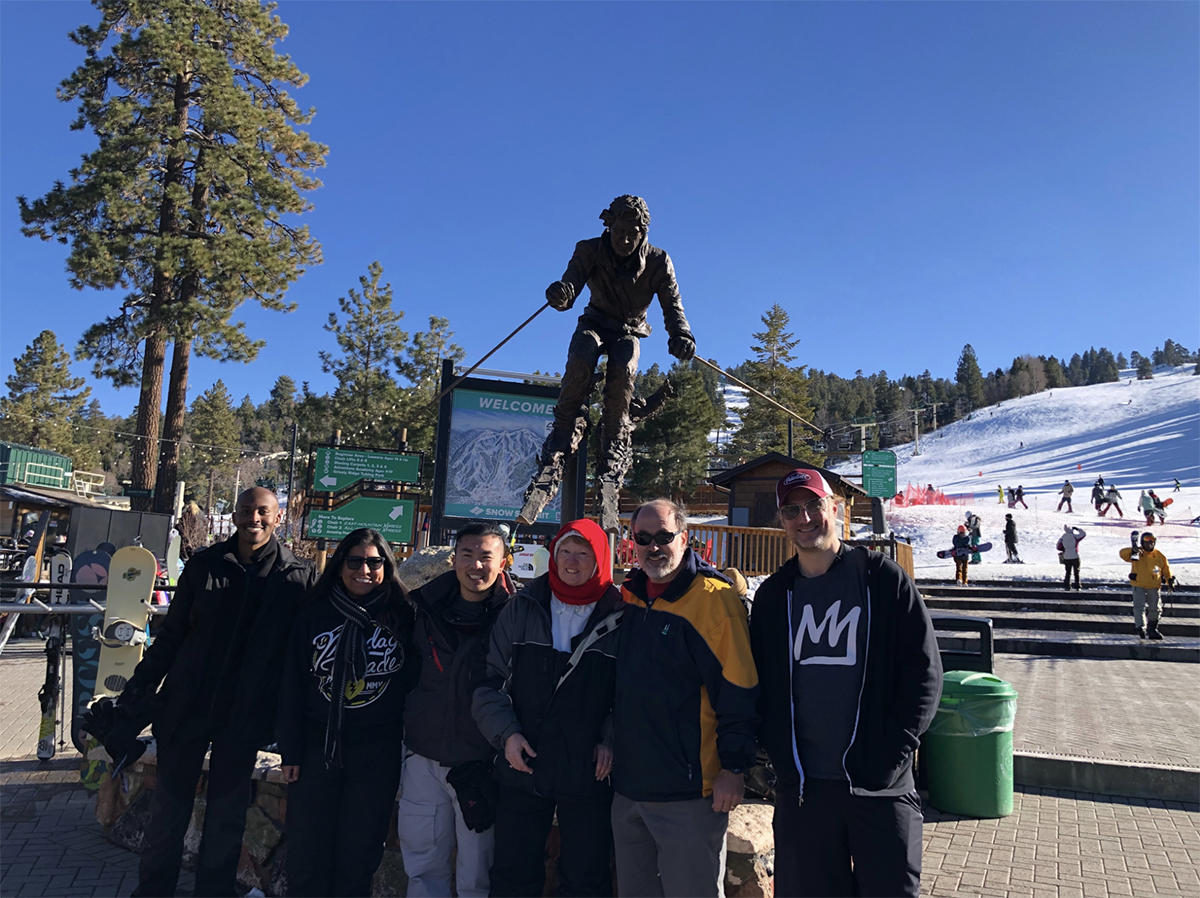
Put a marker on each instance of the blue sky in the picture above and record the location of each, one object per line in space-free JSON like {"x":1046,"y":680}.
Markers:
{"x":903,"y":178}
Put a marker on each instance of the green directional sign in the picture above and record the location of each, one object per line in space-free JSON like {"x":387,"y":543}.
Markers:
{"x":879,"y":472}
{"x":336,"y":469}
{"x":391,"y":517}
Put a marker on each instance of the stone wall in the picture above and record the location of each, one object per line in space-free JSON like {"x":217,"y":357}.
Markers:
{"x":122,"y":810}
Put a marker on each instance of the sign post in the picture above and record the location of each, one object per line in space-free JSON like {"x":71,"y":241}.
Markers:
{"x":337,"y":468}
{"x":879,"y":473}
{"x":391,"y":517}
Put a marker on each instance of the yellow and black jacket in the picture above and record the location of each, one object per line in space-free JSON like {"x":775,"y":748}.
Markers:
{"x":686,"y":687}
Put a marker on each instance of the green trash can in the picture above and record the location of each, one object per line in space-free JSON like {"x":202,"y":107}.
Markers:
{"x":968,"y":750}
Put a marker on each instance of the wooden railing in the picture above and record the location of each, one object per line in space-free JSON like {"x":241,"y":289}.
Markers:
{"x":752,"y":550}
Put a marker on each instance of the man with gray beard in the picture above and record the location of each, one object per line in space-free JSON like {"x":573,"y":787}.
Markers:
{"x":683,"y":716}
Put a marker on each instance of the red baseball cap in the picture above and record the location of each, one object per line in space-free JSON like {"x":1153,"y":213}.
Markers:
{"x":806,"y":478}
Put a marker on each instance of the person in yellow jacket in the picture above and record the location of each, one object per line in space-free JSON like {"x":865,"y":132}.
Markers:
{"x":1148,"y":571}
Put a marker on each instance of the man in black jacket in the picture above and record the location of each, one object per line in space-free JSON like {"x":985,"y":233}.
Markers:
{"x":851,"y":678}
{"x":221,"y":651}
{"x":446,"y":791}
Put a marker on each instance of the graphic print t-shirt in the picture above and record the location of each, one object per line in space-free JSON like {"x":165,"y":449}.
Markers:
{"x":829,"y":639}
{"x":377,"y":698}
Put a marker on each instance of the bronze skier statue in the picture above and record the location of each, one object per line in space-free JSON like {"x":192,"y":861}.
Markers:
{"x":624,"y":273}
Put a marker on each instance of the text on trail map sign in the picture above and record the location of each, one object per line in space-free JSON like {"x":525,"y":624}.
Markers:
{"x":391,"y":517}
{"x":879,"y":472}
{"x":494,"y":443}
{"x":337,"y":469}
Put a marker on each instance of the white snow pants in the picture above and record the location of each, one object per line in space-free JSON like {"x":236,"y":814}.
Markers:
{"x":429,"y":822}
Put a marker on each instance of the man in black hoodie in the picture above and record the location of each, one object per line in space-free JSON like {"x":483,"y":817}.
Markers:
{"x":447,"y":794}
{"x":851,"y":678}
{"x":221,"y":651}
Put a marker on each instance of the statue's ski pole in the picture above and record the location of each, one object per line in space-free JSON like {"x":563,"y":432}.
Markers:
{"x":746,"y":386}
{"x":495,"y":349}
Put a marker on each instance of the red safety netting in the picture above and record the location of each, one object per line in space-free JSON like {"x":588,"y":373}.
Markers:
{"x":927,"y":495}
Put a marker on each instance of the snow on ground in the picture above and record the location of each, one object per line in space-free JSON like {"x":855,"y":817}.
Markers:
{"x":1136,"y":434}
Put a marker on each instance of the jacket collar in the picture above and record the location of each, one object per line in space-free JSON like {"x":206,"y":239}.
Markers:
{"x":693,"y":566}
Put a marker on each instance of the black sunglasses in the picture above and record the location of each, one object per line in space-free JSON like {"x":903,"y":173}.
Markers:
{"x":354,"y":562}
{"x":661,"y":538}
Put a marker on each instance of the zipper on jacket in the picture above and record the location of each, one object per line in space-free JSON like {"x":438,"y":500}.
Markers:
{"x":436,"y":659}
{"x":791,"y":643}
{"x":862,"y":687}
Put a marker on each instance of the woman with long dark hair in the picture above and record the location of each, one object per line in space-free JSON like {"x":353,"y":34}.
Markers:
{"x":341,"y":718}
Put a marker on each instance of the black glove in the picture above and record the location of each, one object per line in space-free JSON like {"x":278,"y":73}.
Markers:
{"x":477,"y":793}
{"x":116,"y":728}
{"x":682,"y":346}
{"x":560,"y":295}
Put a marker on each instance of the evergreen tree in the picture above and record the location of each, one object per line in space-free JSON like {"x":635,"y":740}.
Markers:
{"x":1122,"y":362}
{"x":1053,"y":371}
{"x":367,"y":402}
{"x":1145,"y":370}
{"x":187,"y":199}
{"x":671,"y":448}
{"x":44,"y":400}
{"x":1076,"y":375}
{"x":214,"y":432}
{"x":422,"y":368}
{"x":970,"y":378}
{"x":764,"y":426}
{"x":1104,"y":368}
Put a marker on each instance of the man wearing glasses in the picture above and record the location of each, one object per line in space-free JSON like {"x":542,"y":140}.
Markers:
{"x":851,"y":678}
{"x":684,"y":713}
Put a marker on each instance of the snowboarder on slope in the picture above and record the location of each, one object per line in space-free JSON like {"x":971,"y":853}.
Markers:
{"x":1148,"y":571}
{"x":975,"y":526}
{"x":1000,"y":493}
{"x":1160,"y":509}
{"x":1021,"y":497}
{"x":1068,"y":554}
{"x":1146,"y":506}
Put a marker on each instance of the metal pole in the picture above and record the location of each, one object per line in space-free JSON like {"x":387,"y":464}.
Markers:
{"x":438,"y":398}
{"x":292,"y":474}
{"x":790,"y":439}
{"x":335,"y":440}
{"x":747,"y":386}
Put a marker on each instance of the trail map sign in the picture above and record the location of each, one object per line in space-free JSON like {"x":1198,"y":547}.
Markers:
{"x":879,"y":472}
{"x":337,"y":469}
{"x":391,"y":517}
{"x":494,"y":443}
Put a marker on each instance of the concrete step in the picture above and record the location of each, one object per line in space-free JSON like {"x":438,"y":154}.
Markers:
{"x":1074,"y":604}
{"x":1121,"y":624}
{"x":1066,"y":644}
{"x":1090,"y":592}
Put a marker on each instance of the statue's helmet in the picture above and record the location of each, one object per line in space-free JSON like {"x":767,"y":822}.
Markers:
{"x":627,"y":207}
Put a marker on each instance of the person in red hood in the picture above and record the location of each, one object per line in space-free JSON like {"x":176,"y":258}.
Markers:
{"x":546,"y":705}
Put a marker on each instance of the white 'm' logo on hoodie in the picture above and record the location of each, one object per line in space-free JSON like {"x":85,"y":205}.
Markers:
{"x":832,"y":628}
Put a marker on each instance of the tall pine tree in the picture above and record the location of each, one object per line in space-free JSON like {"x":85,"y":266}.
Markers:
{"x":44,"y":401}
{"x":214,"y":431}
{"x":764,"y":426}
{"x":670,"y":449}
{"x":368,"y":402}
{"x":186,"y":202}
{"x":969,"y":378}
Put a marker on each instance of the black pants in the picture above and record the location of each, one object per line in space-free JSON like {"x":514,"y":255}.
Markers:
{"x":585,"y":838}
{"x":842,"y":844}
{"x":1070,"y":564}
{"x":337,"y":820}
{"x":180,"y":763}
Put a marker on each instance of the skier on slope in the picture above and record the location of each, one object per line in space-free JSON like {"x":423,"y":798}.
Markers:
{"x":1020,"y":497}
{"x":1066,"y":492}
{"x":1098,"y":495}
{"x":1113,"y":498}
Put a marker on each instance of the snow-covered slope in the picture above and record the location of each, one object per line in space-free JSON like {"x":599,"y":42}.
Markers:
{"x":1136,"y":434}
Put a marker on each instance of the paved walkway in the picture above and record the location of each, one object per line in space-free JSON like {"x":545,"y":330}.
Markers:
{"x":1117,"y":710}
{"x":1055,"y":844}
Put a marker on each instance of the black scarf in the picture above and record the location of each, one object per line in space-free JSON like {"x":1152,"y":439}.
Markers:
{"x":349,"y":664}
